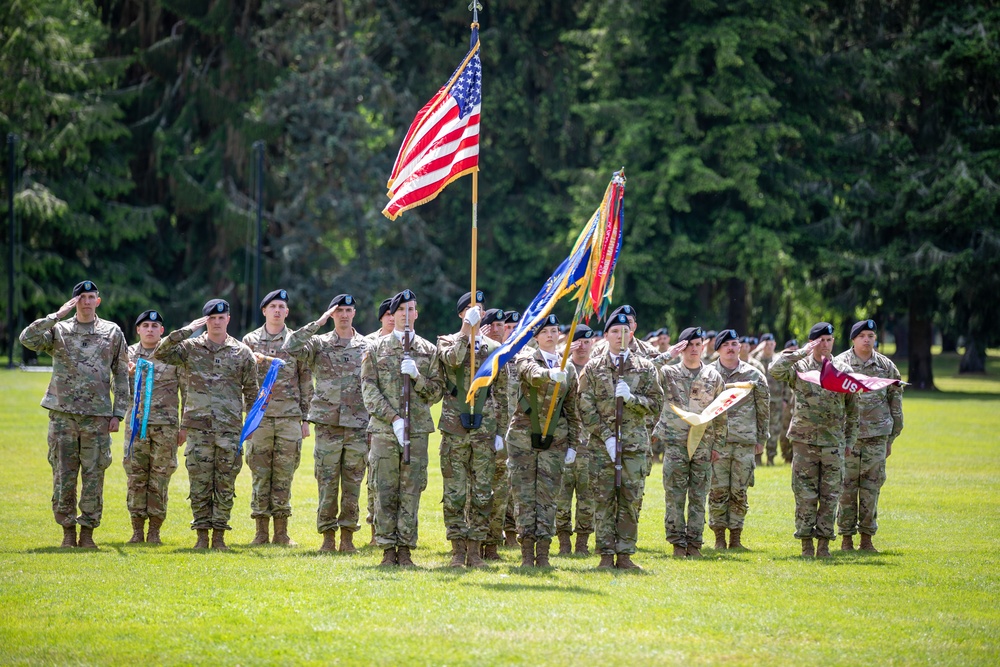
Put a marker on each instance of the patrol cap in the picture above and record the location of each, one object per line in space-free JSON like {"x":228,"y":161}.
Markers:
{"x":766,"y":336}
{"x":383,"y":307}
{"x":725,"y":336}
{"x":406,"y":296}
{"x":623,"y":310}
{"x":85,"y":286}
{"x":863,"y":325}
{"x":465,"y":300}
{"x":343,"y":300}
{"x":149,"y":316}
{"x":276,"y":295}
{"x":582,"y":331}
{"x":512,"y":317}
{"x":549,"y":321}
{"x":215,"y":307}
{"x":691,"y":333}
{"x":820,"y":329}
{"x":790,"y":343}
{"x":616,"y":320}
{"x":493,"y":315}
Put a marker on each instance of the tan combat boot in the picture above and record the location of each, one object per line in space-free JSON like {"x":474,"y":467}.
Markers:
{"x":219,"y":540}
{"x":866,"y":544}
{"x":261,"y":536}
{"x":472,"y":557}
{"x":202,"y":542}
{"x":807,"y":547}
{"x":457,"y":553}
{"x":490,"y":552}
{"x":403,"y":556}
{"x":680,"y":552}
{"x":734,"y":538}
{"x":625,"y":563}
{"x":528,"y":552}
{"x":281,"y":532}
{"x":69,"y":536}
{"x":329,"y":541}
{"x":510,"y":539}
{"x":86,"y":538}
{"x":720,"y":537}
{"x":581,"y":544}
{"x":822,"y":548}
{"x":847,"y":543}
{"x":153,"y":537}
{"x":565,"y":545}
{"x":347,"y":541}
{"x":138,"y":525}
{"x":607,"y":561}
{"x":542,"y":547}
{"x":389,"y":558}
{"x":693,"y":551}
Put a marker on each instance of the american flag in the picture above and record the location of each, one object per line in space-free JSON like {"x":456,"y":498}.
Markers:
{"x":442,"y":143}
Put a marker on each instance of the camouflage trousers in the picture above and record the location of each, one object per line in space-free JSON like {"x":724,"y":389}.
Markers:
{"x":78,"y":445}
{"x":501,"y":496}
{"x":273,"y":453}
{"x":864,"y":475}
{"x":617,"y":510}
{"x":397,"y":488}
{"x":340,"y":462}
{"x":783,"y":441}
{"x":467,"y":467}
{"x":213,"y":463}
{"x":685,"y":480}
{"x":773,"y":428}
{"x":817,"y":481}
{"x":535,"y":476}
{"x":576,"y":477}
{"x":370,"y":518}
{"x":732,"y":475}
{"x":154,"y":460}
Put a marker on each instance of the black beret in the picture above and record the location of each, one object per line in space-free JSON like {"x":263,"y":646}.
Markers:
{"x":85,"y":286}
{"x":665,"y":331}
{"x":790,"y":343}
{"x":616,"y":320}
{"x":711,"y":333}
{"x":743,"y":339}
{"x":512,"y":317}
{"x":623,"y":310}
{"x":753,"y":340}
{"x":149,"y":316}
{"x":276,"y":295}
{"x":563,"y":328}
{"x":550,"y":321}
{"x":767,"y":336}
{"x":582,"y":331}
{"x":465,"y":300}
{"x":652,"y":334}
{"x":725,"y":336}
{"x":215,"y":307}
{"x":493,"y":315}
{"x":383,"y":307}
{"x":691,"y":333}
{"x":863,"y":325}
{"x":343,"y":300}
{"x":820,"y":329}
{"x":406,"y":296}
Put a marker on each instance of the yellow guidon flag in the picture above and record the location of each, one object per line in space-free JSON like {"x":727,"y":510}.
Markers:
{"x":733,"y":394}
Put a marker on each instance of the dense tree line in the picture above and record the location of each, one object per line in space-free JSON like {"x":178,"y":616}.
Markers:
{"x":787,"y":160}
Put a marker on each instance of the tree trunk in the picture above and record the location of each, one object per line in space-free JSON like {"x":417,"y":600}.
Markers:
{"x":736,"y":316}
{"x":921,"y":374}
{"x":949,"y":343}
{"x":901,"y":332}
{"x":974,"y":359}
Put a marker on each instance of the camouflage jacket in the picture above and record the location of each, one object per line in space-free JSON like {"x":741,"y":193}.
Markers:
{"x":691,"y":390}
{"x":335,"y":363}
{"x":531,"y":372}
{"x":167,"y":383}
{"x":382,"y":383}
{"x":775,"y":386}
{"x":636,"y":346}
{"x":597,"y":401}
{"x":89,"y":363}
{"x":819,"y":417}
{"x":294,"y":388}
{"x":753,"y":361}
{"x":748,"y":419}
{"x":881,"y":412}
{"x":453,"y":355}
{"x":221,"y":379}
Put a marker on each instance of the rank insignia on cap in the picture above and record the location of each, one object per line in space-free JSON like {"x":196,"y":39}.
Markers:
{"x":283,"y":295}
{"x":871,"y":324}
{"x":551,"y":319}
{"x":622,"y":319}
{"x":153,"y":316}
{"x":479,"y":296}
{"x":88,"y":285}
{"x":500,"y":314}
{"x":220,"y":307}
{"x":348,"y":300}
{"x":698,"y":333}
{"x":829,"y":328}
{"x":514,"y":317}
{"x":407,"y":294}
{"x":628,"y":310}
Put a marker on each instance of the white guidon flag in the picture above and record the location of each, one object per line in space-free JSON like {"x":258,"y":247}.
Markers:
{"x":732,"y":395}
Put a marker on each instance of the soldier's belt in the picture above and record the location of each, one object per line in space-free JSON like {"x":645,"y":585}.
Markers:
{"x":474,"y":419}
{"x":530,"y":407}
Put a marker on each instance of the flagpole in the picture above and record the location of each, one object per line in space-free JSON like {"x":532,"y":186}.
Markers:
{"x":569,"y":342}
{"x":475,"y":7}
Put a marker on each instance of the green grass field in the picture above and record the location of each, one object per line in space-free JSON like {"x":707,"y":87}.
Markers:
{"x":931,"y":597}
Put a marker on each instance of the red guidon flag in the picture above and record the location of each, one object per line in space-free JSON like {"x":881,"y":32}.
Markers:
{"x":832,"y":379}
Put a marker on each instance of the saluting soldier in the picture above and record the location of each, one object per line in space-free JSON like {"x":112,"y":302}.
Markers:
{"x":338,"y":412}
{"x":274,"y":450}
{"x":733,"y":460}
{"x":493,"y":327}
{"x":221,"y":375}
{"x":881,"y":422}
{"x":511,"y":319}
{"x":89,"y":363}
{"x":617,"y":509}
{"x":469,"y":437}
{"x":824,"y":424}
{"x":398,"y":485}
{"x":536,"y":458}
{"x":787,"y":405}
{"x":386,"y":327}
{"x":765,"y":353}
{"x":154,"y":458}
{"x":385,"y":321}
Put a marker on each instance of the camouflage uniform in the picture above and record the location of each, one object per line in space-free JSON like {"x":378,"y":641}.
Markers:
{"x":274,"y":450}
{"x":775,"y":390}
{"x":823,"y":424}
{"x":686,"y":479}
{"x":881,"y":421}
{"x":221,"y":381}
{"x":643,"y":349}
{"x":398,"y":486}
{"x":535,"y":474}
{"x":787,"y":404}
{"x":617,"y":510}
{"x":370,"y":339}
{"x":576,"y":478}
{"x":501,"y":476}
{"x":339,"y":414}
{"x":732,"y":473}
{"x":154,"y":458}
{"x":467,"y":457}
{"x":89,"y":362}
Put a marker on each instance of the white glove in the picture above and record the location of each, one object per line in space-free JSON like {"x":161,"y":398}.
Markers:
{"x":409,"y":367}
{"x":557,"y":375}
{"x":497,"y":443}
{"x":610,"y":444}
{"x":397,"y":428}
{"x":570,"y":456}
{"x":472,"y":316}
{"x":622,"y":391}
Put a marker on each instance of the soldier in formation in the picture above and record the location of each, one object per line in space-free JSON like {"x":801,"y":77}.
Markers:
{"x":494,"y":328}
{"x":765,"y":353}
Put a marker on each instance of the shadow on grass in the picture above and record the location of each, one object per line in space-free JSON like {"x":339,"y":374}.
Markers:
{"x":117,"y":548}
{"x":939,"y":395}
{"x":510,"y":586}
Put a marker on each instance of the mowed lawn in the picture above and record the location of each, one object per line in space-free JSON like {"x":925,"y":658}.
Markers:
{"x":931,"y":597}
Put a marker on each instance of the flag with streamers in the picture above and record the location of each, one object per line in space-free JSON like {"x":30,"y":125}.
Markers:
{"x":143,"y":392}
{"x":256,"y":413}
{"x":832,"y":379}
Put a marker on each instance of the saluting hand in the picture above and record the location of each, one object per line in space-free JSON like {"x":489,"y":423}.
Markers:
{"x":327,"y":315}
{"x":198,"y":323}
{"x":67,"y":307}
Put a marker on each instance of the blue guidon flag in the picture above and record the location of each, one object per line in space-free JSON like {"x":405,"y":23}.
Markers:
{"x":256,"y":413}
